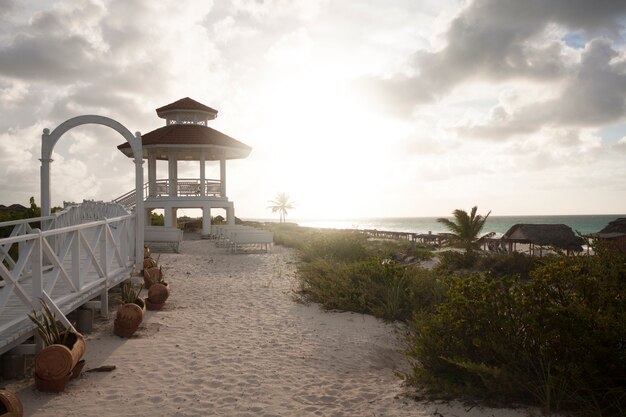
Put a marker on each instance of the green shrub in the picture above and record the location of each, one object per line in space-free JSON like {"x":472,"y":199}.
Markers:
{"x":503,"y":264}
{"x":370,"y":286}
{"x":450,"y":261}
{"x":558,"y":340}
{"x":340,"y":247}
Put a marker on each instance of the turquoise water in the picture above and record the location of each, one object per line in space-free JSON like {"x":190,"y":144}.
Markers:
{"x":497,"y":224}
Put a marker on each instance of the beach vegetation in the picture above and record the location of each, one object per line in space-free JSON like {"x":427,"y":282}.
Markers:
{"x":497,"y":264}
{"x":503,"y":328}
{"x":465,"y":228}
{"x":556,"y":339}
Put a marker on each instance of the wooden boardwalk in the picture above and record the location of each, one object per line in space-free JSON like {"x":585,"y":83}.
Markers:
{"x":66,"y":267}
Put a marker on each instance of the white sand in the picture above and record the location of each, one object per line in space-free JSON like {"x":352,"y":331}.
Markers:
{"x":231,"y":341}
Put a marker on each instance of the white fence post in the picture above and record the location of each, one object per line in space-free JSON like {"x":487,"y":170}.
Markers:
{"x":37,"y":274}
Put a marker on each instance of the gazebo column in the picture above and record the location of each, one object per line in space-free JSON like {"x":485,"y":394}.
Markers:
{"x":230,"y":215}
{"x":152,"y":186}
{"x":169,"y":214}
{"x":173,"y":173}
{"x":202,"y":179}
{"x":206,"y":220}
{"x":222,"y":178}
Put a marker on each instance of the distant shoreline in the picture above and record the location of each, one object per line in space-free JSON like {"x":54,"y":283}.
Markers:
{"x":586,"y":223}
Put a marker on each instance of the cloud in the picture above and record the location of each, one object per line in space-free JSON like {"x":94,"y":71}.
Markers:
{"x":620,"y":146}
{"x":496,"y":40}
{"x":592,"y":96}
{"x":49,"y":48}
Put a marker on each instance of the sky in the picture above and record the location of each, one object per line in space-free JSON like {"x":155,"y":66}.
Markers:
{"x":377,"y":108}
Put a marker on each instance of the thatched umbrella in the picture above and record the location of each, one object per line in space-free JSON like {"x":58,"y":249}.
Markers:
{"x":614,"y":232}
{"x":559,"y":236}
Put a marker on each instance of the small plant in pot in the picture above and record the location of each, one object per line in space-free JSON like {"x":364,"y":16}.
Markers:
{"x":60,"y":359}
{"x":148,"y":261}
{"x":158,"y":293}
{"x":152,"y":275}
{"x":130,"y":313}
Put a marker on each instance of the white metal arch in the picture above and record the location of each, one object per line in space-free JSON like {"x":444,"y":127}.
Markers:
{"x":48,"y":142}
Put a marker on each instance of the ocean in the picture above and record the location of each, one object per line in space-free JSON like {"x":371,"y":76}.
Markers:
{"x":498,"y":224}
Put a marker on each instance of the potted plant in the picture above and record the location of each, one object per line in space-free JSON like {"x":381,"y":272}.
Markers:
{"x":157,"y":293}
{"x":130,"y":313}
{"x":148,"y":261}
{"x":10,"y":405}
{"x":151,"y":276}
{"x":60,"y":359}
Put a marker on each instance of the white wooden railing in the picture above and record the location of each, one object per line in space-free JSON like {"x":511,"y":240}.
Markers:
{"x":79,"y":255}
{"x":185,"y":187}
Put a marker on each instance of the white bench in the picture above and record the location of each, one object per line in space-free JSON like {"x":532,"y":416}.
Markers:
{"x":222,"y":232}
{"x":172,"y":236}
{"x":255,"y":238}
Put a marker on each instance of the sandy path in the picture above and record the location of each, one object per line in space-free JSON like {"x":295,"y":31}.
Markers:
{"x":232,"y":342}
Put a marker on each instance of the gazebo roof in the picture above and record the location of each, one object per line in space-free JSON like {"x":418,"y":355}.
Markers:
{"x":186,"y":104}
{"x":189,"y":140}
{"x":557,"y":235}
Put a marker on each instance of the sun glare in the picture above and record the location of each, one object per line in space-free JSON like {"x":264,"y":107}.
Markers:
{"x":332,"y":146}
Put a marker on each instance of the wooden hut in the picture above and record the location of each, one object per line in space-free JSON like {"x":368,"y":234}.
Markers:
{"x":614,"y":232}
{"x":558,"y":236}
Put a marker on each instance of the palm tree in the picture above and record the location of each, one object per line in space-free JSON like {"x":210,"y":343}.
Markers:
{"x":280,"y":204}
{"x":466,"y":228}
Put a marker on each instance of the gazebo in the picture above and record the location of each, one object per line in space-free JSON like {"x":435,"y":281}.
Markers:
{"x":186,"y":137}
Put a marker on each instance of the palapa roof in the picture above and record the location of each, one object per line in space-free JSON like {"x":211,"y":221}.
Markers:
{"x":189,"y":139}
{"x":557,"y":235}
{"x":616,"y":226}
{"x":613,"y":230}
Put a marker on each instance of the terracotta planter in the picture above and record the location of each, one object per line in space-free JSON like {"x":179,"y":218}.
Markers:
{"x":57,"y":361}
{"x":158,"y":293}
{"x":153,"y":306}
{"x":149,"y":263}
{"x":151,"y":276}
{"x":52,"y":385}
{"x":128,"y":318}
{"x":10,"y":405}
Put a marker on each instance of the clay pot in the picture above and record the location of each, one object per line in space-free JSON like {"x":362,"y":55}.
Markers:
{"x":52,"y":385}
{"x":153,"y":306}
{"x":128,"y":318}
{"x":10,"y":405}
{"x":158,"y":293}
{"x":149,"y":263}
{"x":57,"y":361}
{"x":151,"y":276}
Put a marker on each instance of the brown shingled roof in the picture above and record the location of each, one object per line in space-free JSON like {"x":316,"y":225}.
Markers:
{"x":189,"y":134}
{"x":185,"y":104}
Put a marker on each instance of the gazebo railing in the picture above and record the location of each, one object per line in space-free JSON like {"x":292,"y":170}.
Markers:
{"x":185,"y":187}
